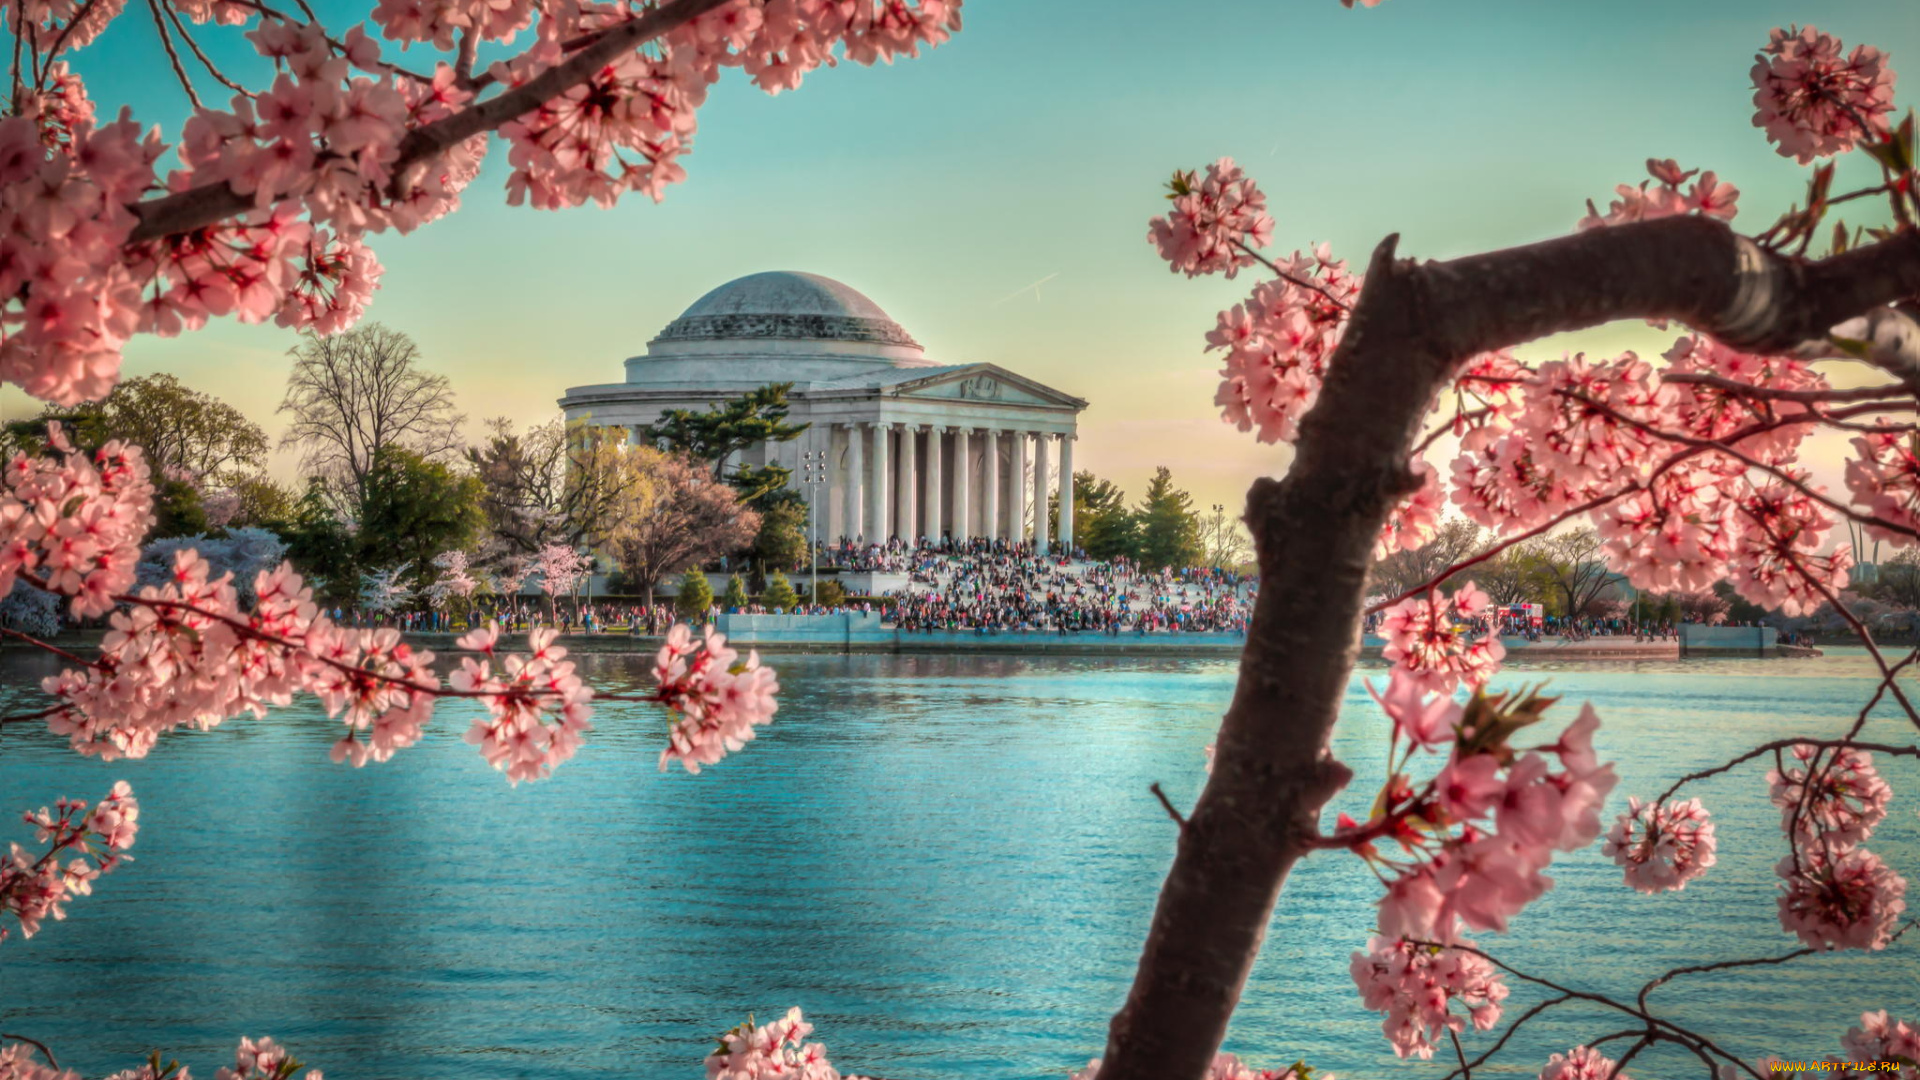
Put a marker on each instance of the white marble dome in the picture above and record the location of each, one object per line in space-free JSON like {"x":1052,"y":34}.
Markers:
{"x":776,"y":326}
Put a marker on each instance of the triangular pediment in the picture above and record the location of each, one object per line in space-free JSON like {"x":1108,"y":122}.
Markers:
{"x":985,"y":383}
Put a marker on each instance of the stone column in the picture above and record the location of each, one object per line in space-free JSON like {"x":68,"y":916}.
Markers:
{"x":879,"y":518}
{"x":1020,"y":504}
{"x":1041,"y":482}
{"x":909,"y":476}
{"x":936,"y":522}
{"x":962,"y":486}
{"x":856,"y":495}
{"x":1066,"y":492}
{"x":990,"y":485}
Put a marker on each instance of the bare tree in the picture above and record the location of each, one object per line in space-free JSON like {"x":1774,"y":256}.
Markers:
{"x":354,"y":393}
{"x":1225,"y":539}
{"x":1571,"y":563}
{"x":1514,"y":576}
{"x":558,"y":482}
{"x":681,"y":517}
{"x":1403,"y":570}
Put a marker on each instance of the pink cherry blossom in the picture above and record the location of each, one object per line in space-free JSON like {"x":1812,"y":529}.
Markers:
{"x":1812,"y":100}
{"x":1278,"y":341}
{"x":1662,"y":847}
{"x":1212,"y":221}
{"x":1881,"y":1038}
{"x":1416,"y":987}
{"x":1848,"y":798}
{"x":537,"y":707}
{"x":1422,"y":640}
{"x":32,"y":888}
{"x":1227,"y":1067}
{"x":1847,"y":899}
{"x":720,"y":699}
{"x":1581,"y":1063}
{"x":1707,"y":197}
{"x":774,"y":1050}
{"x":1423,"y":717}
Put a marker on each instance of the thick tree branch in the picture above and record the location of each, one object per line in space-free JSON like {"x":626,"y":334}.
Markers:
{"x":209,"y":204}
{"x":1412,"y":328}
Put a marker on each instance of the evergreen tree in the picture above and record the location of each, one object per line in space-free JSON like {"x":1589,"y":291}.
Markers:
{"x":780,"y":592}
{"x":319,"y":545}
{"x":758,"y":416}
{"x":736,"y":598}
{"x":1103,"y":524}
{"x":1169,"y":528}
{"x":696,"y":596}
{"x":782,"y":540}
{"x":832,"y":593}
{"x":414,"y":509}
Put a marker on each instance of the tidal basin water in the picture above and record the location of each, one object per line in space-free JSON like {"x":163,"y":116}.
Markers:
{"x":948,"y":862}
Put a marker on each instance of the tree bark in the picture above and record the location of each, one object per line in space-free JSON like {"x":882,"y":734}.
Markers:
{"x":1413,"y":326}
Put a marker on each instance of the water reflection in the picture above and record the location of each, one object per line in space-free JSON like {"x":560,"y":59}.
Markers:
{"x":948,"y":861}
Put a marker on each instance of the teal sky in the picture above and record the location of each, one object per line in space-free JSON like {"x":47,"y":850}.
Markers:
{"x":1031,"y":149}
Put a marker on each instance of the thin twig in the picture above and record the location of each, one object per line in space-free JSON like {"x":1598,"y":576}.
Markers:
{"x":1788,"y":744}
{"x":44,"y":1052}
{"x":1288,"y":277}
{"x":1168,"y":803}
{"x":166,"y":39}
{"x":181,"y":26}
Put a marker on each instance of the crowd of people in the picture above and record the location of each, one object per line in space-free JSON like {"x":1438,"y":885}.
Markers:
{"x":993,"y":586}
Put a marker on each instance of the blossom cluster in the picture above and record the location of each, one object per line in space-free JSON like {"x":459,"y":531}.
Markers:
{"x":538,"y":709}
{"x":1214,"y":221}
{"x":73,"y":521}
{"x":1415,"y":985}
{"x":1436,"y":655}
{"x":1707,"y":197}
{"x":1835,"y":894}
{"x":768,"y":1051}
{"x":33,"y":888}
{"x":1881,"y":1038}
{"x":1478,"y":834}
{"x":1813,"y":99}
{"x":260,"y":1059}
{"x":1662,"y":847}
{"x":332,"y":151}
{"x":720,"y":698}
{"x":1278,"y":341}
{"x":560,"y":567}
{"x":456,"y":578}
{"x":1582,"y":1063}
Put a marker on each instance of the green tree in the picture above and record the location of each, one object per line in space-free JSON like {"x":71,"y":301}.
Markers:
{"x":320,"y":546}
{"x":1103,"y":524}
{"x":262,"y":502}
{"x":832,"y":593}
{"x":695,"y":596}
{"x":1169,"y":528}
{"x":414,"y":509}
{"x":782,"y":540}
{"x":736,"y":598}
{"x":780,"y":592}
{"x":177,"y":427}
{"x":177,"y":509}
{"x":727,"y":427}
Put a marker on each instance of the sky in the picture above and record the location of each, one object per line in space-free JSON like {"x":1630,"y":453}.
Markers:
{"x":1032,"y":149}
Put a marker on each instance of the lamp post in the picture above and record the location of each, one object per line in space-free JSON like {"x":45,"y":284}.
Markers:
{"x":813,"y":473}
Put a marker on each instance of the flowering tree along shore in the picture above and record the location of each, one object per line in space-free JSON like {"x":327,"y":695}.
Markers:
{"x":1688,"y":470}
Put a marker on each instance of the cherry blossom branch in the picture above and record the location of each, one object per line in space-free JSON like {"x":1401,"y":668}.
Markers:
{"x":1721,"y":382}
{"x":55,"y":650}
{"x":179,"y":24}
{"x":166,"y":39}
{"x":36,"y":1044}
{"x":1284,"y":275}
{"x":1508,"y":1034}
{"x":1788,"y":744}
{"x":1413,"y":327}
{"x":1642,"y":1015}
{"x":209,"y":204}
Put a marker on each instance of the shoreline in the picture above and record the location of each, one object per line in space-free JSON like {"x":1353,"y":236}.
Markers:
{"x":1519,"y":650}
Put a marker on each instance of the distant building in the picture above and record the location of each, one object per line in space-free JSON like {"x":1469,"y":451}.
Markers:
{"x":914,"y":447}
